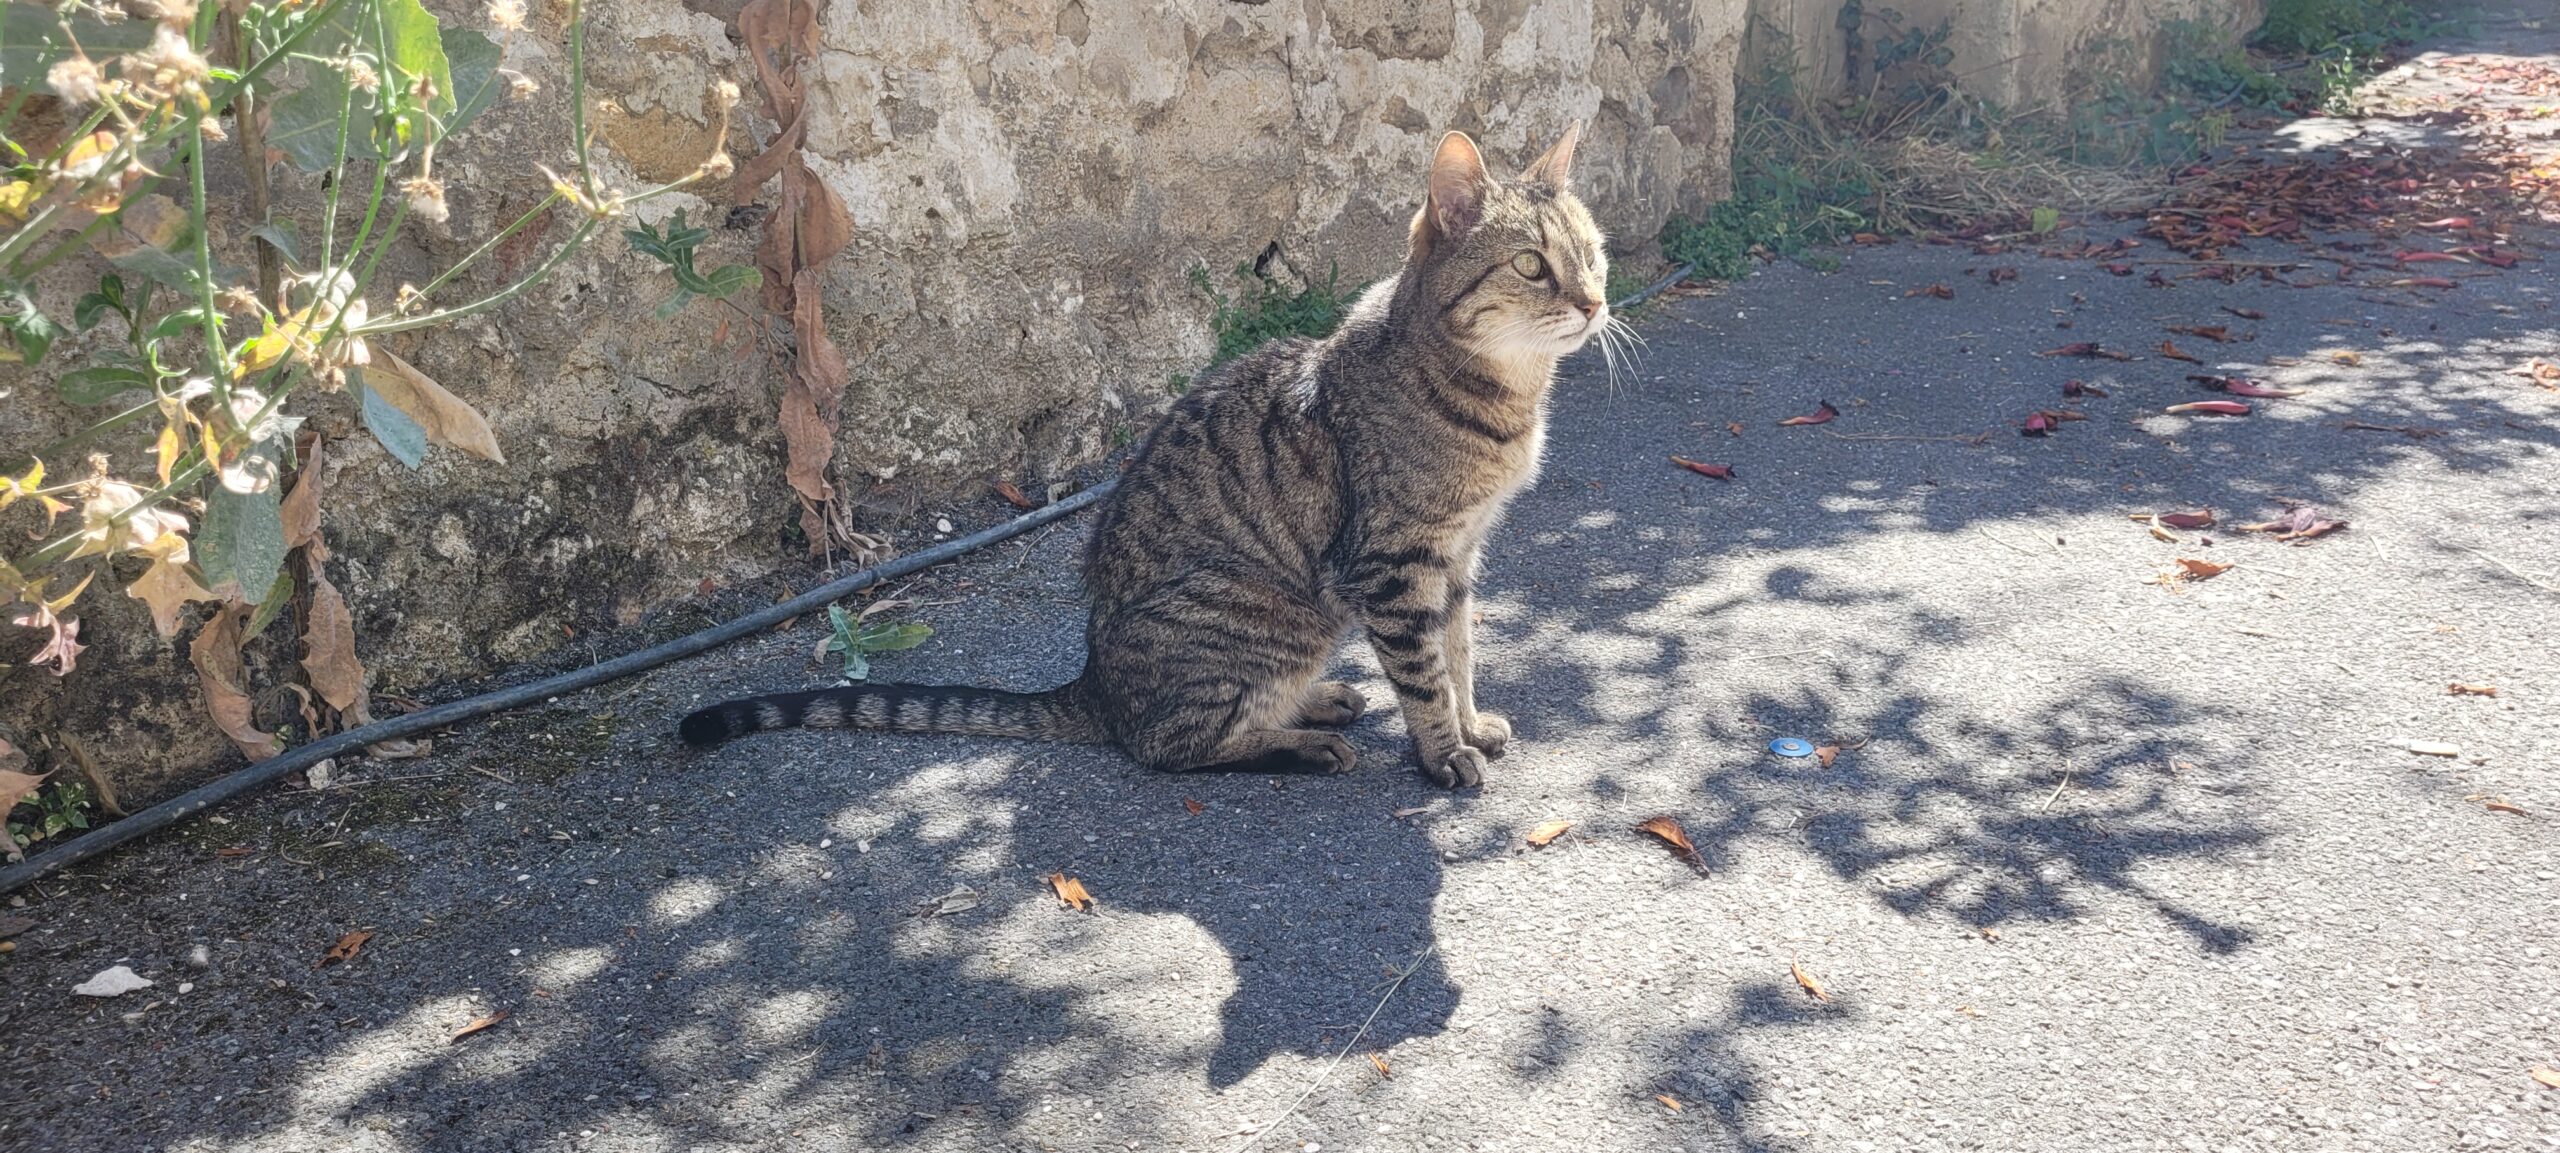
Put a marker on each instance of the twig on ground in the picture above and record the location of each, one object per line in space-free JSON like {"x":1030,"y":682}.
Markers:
{"x":1976,"y":440}
{"x":1402,"y":975}
{"x":2058,"y":786}
{"x":1986,"y":535}
{"x":2513,"y":571}
{"x":1774,"y":656}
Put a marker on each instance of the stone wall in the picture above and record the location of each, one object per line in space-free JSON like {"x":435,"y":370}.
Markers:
{"x":2016,"y":53}
{"x":1030,"y":182}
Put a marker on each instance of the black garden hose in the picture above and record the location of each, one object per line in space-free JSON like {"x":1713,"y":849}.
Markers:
{"x":204,"y":797}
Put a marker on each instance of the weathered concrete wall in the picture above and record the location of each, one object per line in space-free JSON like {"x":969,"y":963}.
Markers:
{"x":2016,"y":53}
{"x":1030,"y":180}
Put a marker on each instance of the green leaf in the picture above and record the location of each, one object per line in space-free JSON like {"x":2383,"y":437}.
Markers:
{"x":2045,"y":219}
{"x":304,"y":124}
{"x":99,"y":385}
{"x":476,"y":83}
{"x":281,"y":234}
{"x":885,"y":638}
{"x":675,"y":304}
{"x":32,"y":38}
{"x":161,"y":265}
{"x":29,"y":332}
{"x":729,"y":279}
{"x":279,"y":595}
{"x":856,"y":666}
{"x":400,"y":435}
{"x":84,"y":315}
{"x":182,"y":321}
{"x":417,"y":49}
{"x":242,"y":542}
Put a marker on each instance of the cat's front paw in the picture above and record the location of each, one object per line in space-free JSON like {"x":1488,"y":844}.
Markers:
{"x":1463,"y":769}
{"x":1490,"y":733}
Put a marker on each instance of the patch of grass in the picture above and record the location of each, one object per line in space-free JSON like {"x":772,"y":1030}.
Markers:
{"x":1269,"y":310}
{"x":2316,"y":27}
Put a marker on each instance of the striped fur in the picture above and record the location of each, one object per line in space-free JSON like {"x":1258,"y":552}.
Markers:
{"x":1302,"y":491}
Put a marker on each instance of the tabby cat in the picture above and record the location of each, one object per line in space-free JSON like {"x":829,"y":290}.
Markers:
{"x":1297,"y":491}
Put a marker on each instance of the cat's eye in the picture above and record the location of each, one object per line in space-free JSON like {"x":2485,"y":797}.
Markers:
{"x":1530,"y":265}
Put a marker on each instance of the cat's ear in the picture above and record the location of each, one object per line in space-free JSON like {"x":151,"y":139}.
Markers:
{"x":1458,"y":186}
{"x":1555,"y":169}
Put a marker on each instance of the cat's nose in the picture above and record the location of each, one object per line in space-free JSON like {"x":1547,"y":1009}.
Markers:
{"x":1592,"y":310}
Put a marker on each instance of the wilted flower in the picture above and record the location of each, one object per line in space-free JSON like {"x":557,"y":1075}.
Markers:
{"x":238,"y":300}
{"x":426,"y":198}
{"x":213,"y":129}
{"x":170,"y":65}
{"x":506,"y":15}
{"x":174,"y":13}
{"x":519,"y":85}
{"x":719,"y":166}
{"x":361,"y":77}
{"x":408,"y":299}
{"x":75,"y":79}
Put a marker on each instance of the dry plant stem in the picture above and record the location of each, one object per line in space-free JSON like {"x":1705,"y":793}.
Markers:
{"x":253,"y":163}
{"x":490,"y":245}
{"x":1402,"y":975}
{"x":2513,"y":571}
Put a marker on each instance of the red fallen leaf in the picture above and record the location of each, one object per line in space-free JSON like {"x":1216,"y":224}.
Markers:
{"x":2192,"y":569}
{"x":2210,"y":408}
{"x":1734,"y":427}
{"x":1939,"y":291}
{"x":345,"y":950}
{"x":706,"y":588}
{"x":1827,"y":754}
{"x":2217,"y":333}
{"x":2422,"y":282}
{"x":2187,"y":520}
{"x":2413,"y":257}
{"x":2003,"y":275}
{"x":2504,"y":807}
{"x":1196,"y":807}
{"x":1866,"y":238}
{"x":1717,"y":471}
{"x":2086,"y":348}
{"x":1012,"y":496}
{"x":2119,"y":269}
{"x":234,"y":851}
{"x":2446,"y":223}
{"x":2245,"y":313}
{"x":2242,"y":386}
{"x":2038,"y":424}
{"x":1820,"y":415}
{"x":2173,"y":352}
{"x":2077,"y":388}
{"x":480,"y":1024}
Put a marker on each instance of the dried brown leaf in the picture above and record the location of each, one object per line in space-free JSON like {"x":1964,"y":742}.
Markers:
{"x":480,"y":1024}
{"x":1812,"y":985}
{"x":1071,"y":892}
{"x":1935,"y":291}
{"x":1668,"y":830}
{"x":1669,"y":1102}
{"x":1712,"y":471}
{"x":1827,"y":754}
{"x":2460,"y":689}
{"x":329,"y":645}
{"x":1012,"y":495}
{"x":1548,"y":831}
{"x":345,"y":950}
{"x":302,"y":505}
{"x":2549,"y":1076}
{"x":2505,"y":807}
{"x":167,"y":586}
{"x":2173,"y":352}
{"x":448,"y":419}
{"x":1381,"y":1064}
{"x":215,"y":652}
{"x":1196,"y":807}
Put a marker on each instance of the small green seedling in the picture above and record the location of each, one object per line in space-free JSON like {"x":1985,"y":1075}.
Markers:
{"x":857,"y":640}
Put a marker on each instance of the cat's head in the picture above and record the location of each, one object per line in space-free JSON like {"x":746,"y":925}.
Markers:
{"x":1515,"y":268}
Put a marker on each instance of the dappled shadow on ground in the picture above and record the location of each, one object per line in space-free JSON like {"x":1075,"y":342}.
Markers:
{"x":727,"y":950}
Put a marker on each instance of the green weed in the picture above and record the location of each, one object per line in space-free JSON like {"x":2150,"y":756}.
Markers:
{"x":1270,"y":310}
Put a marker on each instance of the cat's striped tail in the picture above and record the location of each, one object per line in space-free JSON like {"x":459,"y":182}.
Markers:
{"x":1056,"y":715}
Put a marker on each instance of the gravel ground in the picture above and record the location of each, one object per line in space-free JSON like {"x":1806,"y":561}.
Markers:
{"x":2106,"y":865}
